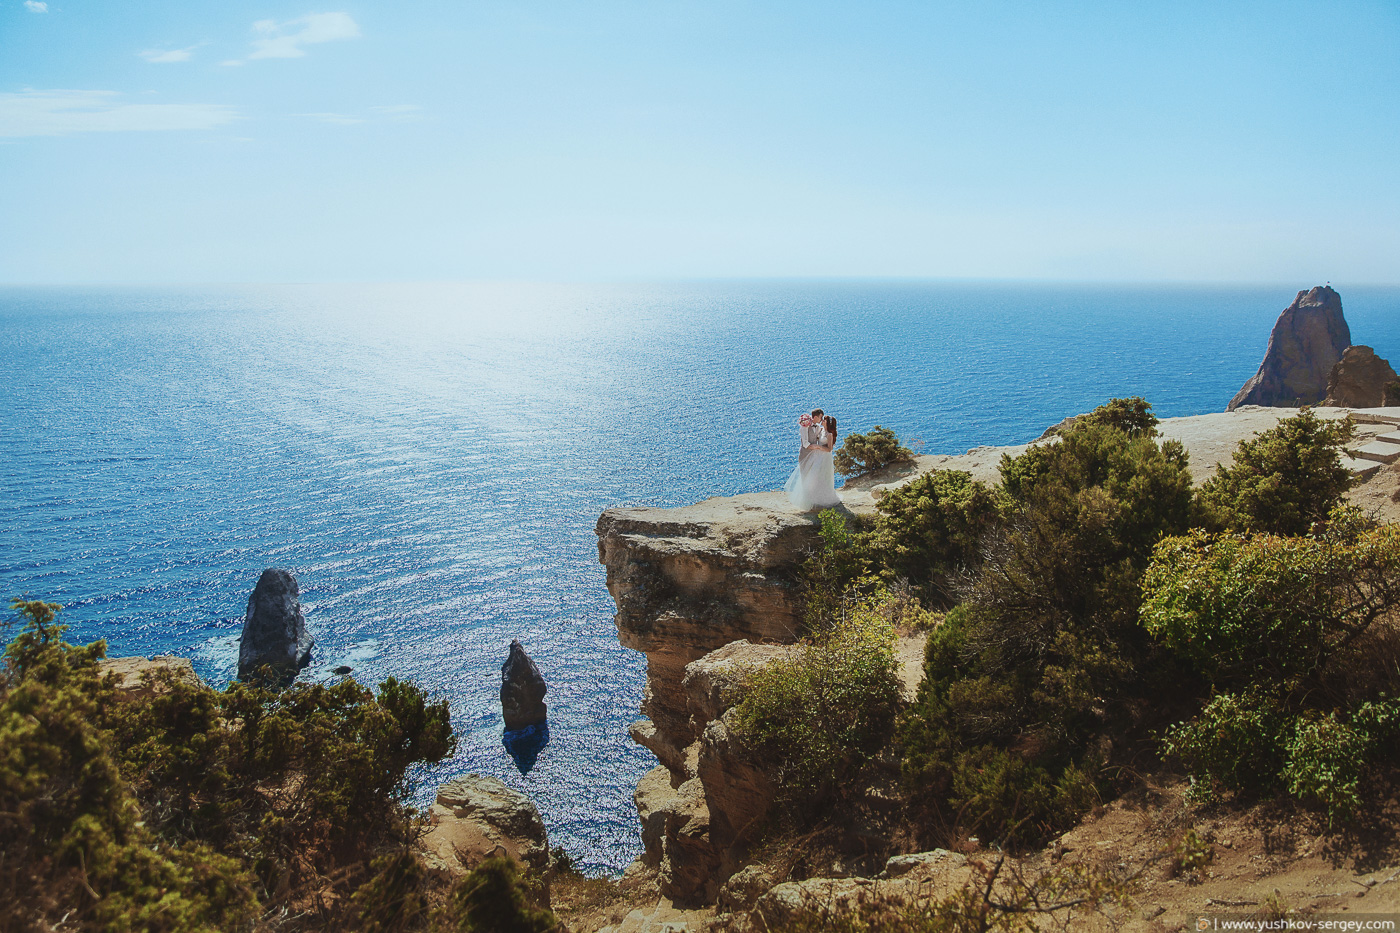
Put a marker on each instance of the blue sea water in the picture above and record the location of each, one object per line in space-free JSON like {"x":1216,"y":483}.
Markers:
{"x":430,"y":459}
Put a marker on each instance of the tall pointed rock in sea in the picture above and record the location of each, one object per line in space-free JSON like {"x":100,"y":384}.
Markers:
{"x":1308,"y":339}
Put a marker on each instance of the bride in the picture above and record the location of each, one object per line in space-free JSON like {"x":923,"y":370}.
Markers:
{"x":812,"y":484}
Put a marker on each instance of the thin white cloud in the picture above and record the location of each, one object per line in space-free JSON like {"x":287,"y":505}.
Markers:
{"x":337,"y":118}
{"x":167,"y":56}
{"x":285,"y":40}
{"x":36,"y":6}
{"x":399,"y":113}
{"x":63,"y":112}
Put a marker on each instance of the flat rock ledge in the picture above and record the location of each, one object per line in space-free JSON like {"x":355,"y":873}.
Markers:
{"x":132,"y":682}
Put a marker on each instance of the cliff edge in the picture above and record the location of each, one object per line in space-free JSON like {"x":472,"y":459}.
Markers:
{"x":707,"y":589}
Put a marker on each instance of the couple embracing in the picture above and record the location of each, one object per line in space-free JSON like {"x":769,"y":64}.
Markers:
{"x":813,"y":484}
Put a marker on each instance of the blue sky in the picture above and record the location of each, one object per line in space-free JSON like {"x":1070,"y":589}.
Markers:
{"x":275,"y":141}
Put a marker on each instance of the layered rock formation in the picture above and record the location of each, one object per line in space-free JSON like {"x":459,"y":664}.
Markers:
{"x":1307,"y":341}
{"x":476,"y":816}
{"x":274,"y":630}
{"x":1359,"y":379}
{"x":704,"y":592}
{"x":522,"y":691}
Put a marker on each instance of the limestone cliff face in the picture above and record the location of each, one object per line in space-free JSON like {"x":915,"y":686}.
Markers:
{"x":689,"y":580}
{"x":705,"y":592}
{"x":1307,"y":341}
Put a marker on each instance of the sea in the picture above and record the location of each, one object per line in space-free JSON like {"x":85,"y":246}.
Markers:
{"x":429,"y":460}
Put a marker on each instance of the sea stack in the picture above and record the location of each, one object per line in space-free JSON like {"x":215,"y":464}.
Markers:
{"x":1359,"y":380}
{"x":274,"y":630}
{"x":522,"y":691}
{"x":1307,"y":341}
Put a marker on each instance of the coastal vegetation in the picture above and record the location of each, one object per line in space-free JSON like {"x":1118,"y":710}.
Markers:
{"x":874,"y":450}
{"x":817,"y":715}
{"x":1092,"y":614}
{"x":239,"y":809}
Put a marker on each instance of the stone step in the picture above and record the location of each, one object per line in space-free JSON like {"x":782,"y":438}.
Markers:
{"x":1390,"y":437}
{"x":1381,"y":453}
{"x":1362,"y":468}
{"x":1376,"y":415}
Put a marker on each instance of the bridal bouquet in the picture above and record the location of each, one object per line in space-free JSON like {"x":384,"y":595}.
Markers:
{"x":805,"y":421}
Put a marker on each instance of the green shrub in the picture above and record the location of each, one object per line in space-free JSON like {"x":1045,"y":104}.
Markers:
{"x":74,"y":845}
{"x":1283,"y":480}
{"x":1133,"y":416}
{"x":1045,"y":649}
{"x":1193,"y":853}
{"x":490,"y":900}
{"x":1257,"y":742}
{"x":929,"y":529}
{"x":1260,"y":607}
{"x":1325,"y":758}
{"x":392,"y":901}
{"x":837,"y":572}
{"x":1236,"y":742}
{"x":814,"y":717}
{"x":183,"y":810}
{"x":865,"y":453}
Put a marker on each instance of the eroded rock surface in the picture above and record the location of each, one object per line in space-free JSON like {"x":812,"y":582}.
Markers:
{"x":132,"y":682}
{"x":474,"y":816}
{"x":687,"y":581}
{"x":1359,"y":379}
{"x":1307,"y":341}
{"x":274,"y":629}
{"x":522,"y":691}
{"x":907,"y":877}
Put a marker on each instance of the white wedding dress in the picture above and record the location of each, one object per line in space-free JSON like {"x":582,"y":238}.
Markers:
{"x":812,"y":484}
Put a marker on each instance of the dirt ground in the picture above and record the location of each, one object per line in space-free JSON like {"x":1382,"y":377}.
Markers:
{"x":1272,"y":858}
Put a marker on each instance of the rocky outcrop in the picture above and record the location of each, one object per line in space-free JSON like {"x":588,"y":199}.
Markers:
{"x":475,"y":816}
{"x":139,"y":678}
{"x":906,"y":878}
{"x":1359,"y":379}
{"x":687,"y":581}
{"x":522,"y":691}
{"x":699,"y":807}
{"x":274,"y":630}
{"x":1307,"y":341}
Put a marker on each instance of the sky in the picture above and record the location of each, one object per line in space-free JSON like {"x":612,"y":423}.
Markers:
{"x":272,"y":141}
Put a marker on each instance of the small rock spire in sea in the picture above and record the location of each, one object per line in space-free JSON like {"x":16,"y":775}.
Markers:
{"x":522,"y":691}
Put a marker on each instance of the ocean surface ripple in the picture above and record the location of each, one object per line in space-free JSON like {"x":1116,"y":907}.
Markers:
{"x":429,"y":460}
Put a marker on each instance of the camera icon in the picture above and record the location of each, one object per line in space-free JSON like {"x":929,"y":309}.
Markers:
{"x":1202,"y":924}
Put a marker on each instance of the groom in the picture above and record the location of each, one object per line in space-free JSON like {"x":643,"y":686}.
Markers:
{"x":811,"y":435}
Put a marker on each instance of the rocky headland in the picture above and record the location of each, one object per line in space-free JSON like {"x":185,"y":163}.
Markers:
{"x":707,"y":590}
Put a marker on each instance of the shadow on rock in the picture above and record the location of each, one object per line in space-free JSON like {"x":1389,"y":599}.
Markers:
{"x":524,"y":745}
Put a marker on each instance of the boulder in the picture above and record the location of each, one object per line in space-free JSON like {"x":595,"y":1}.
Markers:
{"x":476,"y":815}
{"x":522,"y":691}
{"x":745,"y":887}
{"x":923,"y":863}
{"x":906,"y":879}
{"x":274,"y":630}
{"x":132,"y":680}
{"x":715,"y":682}
{"x":1307,"y":341}
{"x":1359,"y":379}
